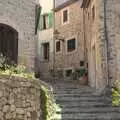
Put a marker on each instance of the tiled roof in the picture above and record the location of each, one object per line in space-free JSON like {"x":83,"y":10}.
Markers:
{"x":65,"y":4}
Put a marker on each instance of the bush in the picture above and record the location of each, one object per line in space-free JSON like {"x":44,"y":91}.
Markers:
{"x":12,"y":69}
{"x":116,"y":94}
{"x":49,"y":107}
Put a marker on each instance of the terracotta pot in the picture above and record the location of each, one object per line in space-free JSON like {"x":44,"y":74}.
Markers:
{"x":83,"y":80}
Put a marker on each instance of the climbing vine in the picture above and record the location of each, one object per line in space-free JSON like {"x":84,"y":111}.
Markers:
{"x":49,"y":107}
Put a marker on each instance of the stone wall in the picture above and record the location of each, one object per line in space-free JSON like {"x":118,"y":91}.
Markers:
{"x":19,"y":99}
{"x":20,"y":15}
{"x":103,"y":33}
{"x":116,"y":22}
{"x":93,"y":29}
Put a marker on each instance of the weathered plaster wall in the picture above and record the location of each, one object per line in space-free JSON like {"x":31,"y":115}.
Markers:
{"x":19,"y":99}
{"x":45,"y":36}
{"x":105,"y":32}
{"x":20,"y":14}
{"x":116,"y":20}
{"x":93,"y":44}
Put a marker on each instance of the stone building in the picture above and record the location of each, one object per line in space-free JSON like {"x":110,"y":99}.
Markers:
{"x":17,"y":30}
{"x":101,"y":33}
{"x":69,"y":42}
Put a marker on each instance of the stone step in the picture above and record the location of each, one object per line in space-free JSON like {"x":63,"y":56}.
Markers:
{"x":73,"y":106}
{"x":72,"y":92}
{"x":83,"y":103}
{"x":71,"y":98}
{"x":71,"y":87}
{"x":81,"y":100}
{"x":75,"y":95}
{"x":61,"y":86}
{"x":89,"y":110}
{"x":87,"y":116}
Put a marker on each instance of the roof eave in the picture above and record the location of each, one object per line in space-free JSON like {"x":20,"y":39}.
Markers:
{"x":85,"y":3}
{"x":64,"y":5}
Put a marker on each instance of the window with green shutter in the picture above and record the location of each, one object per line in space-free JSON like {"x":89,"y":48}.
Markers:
{"x":46,"y":21}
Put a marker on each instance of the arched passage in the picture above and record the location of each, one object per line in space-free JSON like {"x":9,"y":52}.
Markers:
{"x":9,"y":43}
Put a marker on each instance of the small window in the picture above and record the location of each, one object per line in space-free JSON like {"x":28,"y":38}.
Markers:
{"x":45,"y":22}
{"x":68,"y":72}
{"x":88,"y":15}
{"x":57,"y":46}
{"x":71,"y":45}
{"x":93,"y":13}
{"x":46,"y":51}
{"x":81,"y":63}
{"x":65,"y":16}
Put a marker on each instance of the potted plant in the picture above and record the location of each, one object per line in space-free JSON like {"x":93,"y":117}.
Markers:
{"x":83,"y":76}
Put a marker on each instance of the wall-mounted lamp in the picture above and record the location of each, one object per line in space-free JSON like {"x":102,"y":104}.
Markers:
{"x":58,"y":37}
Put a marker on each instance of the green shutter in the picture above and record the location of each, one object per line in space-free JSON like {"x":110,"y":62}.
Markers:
{"x":50,"y":19}
{"x":38,"y":12}
{"x":41,"y":22}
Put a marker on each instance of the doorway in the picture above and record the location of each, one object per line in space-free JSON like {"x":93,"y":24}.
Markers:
{"x":9,"y":43}
{"x":93,"y":67}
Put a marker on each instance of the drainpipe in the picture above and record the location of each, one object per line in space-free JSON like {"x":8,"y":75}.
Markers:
{"x":53,"y":37}
{"x":84,"y":35}
{"x":106,"y":43}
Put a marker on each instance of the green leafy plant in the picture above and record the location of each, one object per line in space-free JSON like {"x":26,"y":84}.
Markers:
{"x":80,"y":72}
{"x":116,"y":94}
{"x":49,"y":107}
{"x":12,"y":69}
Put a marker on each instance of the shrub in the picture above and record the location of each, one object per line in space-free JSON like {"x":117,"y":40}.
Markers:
{"x":116,"y":94}
{"x":49,"y":107}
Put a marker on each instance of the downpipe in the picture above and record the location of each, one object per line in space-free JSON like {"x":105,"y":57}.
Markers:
{"x":107,"y":90}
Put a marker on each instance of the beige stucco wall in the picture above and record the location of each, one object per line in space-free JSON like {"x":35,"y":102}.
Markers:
{"x":65,"y":60}
{"x":44,"y":36}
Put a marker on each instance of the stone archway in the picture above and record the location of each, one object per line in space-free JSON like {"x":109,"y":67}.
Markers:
{"x":9,"y":43}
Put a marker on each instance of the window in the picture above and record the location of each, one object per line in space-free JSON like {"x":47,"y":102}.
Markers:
{"x":93,"y":13}
{"x":65,"y":16}
{"x":57,"y":46}
{"x":68,"y":72}
{"x":81,"y":63}
{"x":88,"y":15}
{"x":45,"y":21}
{"x":46,"y":51}
{"x":71,"y":45}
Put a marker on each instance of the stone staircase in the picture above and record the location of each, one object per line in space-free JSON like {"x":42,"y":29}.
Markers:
{"x":80,"y":103}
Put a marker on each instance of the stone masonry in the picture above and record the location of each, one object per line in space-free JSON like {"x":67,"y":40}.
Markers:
{"x":94,"y":44}
{"x":65,"y":60}
{"x":19,"y":99}
{"x":20,"y":15}
{"x":102,"y":34}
